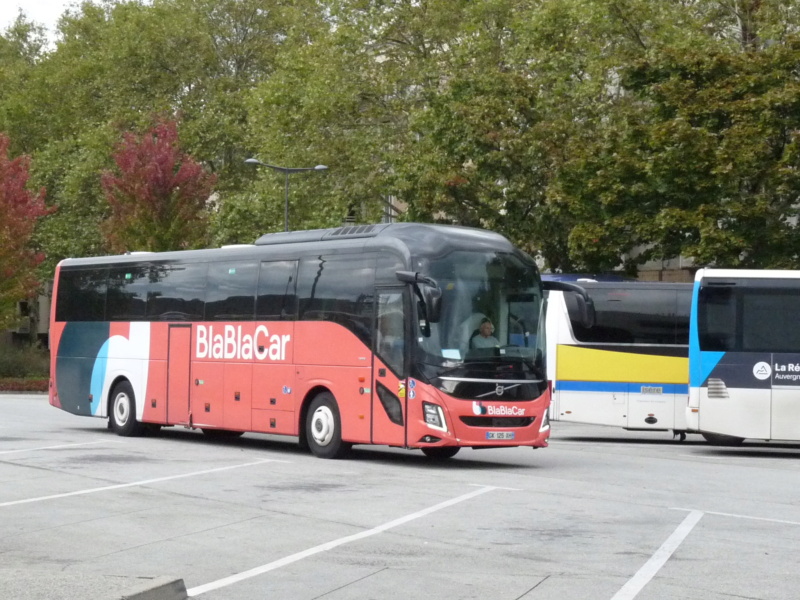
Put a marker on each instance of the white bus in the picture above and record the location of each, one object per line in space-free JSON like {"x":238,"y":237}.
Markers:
{"x":630,"y":369}
{"x":744,"y":352}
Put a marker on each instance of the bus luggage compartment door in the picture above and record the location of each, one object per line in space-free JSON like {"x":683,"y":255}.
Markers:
{"x":651,"y":406}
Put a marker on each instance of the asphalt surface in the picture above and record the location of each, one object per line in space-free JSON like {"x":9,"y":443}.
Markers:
{"x":601,"y":514}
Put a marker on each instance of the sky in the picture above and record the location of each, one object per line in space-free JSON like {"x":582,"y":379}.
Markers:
{"x":44,"y":12}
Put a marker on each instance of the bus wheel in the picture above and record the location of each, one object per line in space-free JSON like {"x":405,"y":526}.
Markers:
{"x":123,"y":411}
{"x":441,"y":452}
{"x":324,"y":428}
{"x":718,"y":439}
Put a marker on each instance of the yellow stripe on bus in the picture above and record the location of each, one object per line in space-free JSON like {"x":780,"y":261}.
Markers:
{"x":574,"y":363}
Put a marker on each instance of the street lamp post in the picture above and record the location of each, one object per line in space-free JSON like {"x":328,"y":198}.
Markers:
{"x":286,"y":171}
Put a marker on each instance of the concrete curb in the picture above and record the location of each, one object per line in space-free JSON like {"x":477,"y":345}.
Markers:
{"x":159,"y":588}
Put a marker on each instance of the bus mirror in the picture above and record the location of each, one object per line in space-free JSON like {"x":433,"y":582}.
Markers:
{"x":585,"y":302}
{"x":412,"y":277}
{"x":432,"y":297}
{"x":429,"y":294}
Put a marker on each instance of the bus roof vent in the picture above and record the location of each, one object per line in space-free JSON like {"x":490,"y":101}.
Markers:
{"x":291,"y":237}
{"x":356,"y":231}
{"x":317,"y":235}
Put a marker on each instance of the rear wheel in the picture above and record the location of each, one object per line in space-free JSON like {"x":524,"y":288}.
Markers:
{"x":324,"y":428}
{"x":123,"y":411}
{"x":441,"y":452}
{"x":718,"y":439}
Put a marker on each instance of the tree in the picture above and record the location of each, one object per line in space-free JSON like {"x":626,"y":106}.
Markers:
{"x":158,"y":196}
{"x":724,"y":154}
{"x":19,"y":211}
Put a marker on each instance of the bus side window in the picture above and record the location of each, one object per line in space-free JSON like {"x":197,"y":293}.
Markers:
{"x":338,"y":288}
{"x":276,"y":297}
{"x":127,"y":292}
{"x":82,"y":295}
{"x":717,"y":319}
{"x":231,"y":291}
{"x":176,"y":291}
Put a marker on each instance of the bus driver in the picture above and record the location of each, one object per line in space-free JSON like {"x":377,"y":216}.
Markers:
{"x":485,"y":336}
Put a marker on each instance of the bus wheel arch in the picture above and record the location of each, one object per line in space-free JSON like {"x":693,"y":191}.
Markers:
{"x":322,"y":426}
{"x":122,"y":409}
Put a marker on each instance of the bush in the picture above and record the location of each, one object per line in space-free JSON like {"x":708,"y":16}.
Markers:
{"x":15,"y":384}
{"x":24,"y":362}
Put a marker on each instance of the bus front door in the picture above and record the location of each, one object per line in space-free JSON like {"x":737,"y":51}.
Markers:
{"x":389,"y":364}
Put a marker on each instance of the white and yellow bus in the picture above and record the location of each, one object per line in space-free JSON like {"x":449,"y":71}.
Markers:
{"x":630,"y":369}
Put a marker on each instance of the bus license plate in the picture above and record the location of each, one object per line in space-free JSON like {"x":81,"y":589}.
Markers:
{"x":499,"y":435}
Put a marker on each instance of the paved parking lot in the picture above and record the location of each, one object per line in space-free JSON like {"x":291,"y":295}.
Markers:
{"x":601,"y":514}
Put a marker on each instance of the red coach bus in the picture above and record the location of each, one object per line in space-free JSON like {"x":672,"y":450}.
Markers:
{"x":354,"y":335}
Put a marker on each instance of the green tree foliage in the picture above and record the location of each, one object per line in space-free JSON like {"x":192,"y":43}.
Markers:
{"x":591,"y":132}
{"x":19,"y":210}
{"x":724,"y":154}
{"x":158,"y":196}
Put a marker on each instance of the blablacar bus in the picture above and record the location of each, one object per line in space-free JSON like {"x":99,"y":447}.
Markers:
{"x":744,"y":355}
{"x":630,"y":368}
{"x":353,"y":335}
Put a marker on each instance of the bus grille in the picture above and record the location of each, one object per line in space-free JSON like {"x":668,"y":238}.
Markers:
{"x":717,"y":389}
{"x":497,"y":421}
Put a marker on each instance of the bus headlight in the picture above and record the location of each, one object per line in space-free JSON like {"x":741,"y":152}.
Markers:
{"x":434,"y":417}
{"x":545,"y":420}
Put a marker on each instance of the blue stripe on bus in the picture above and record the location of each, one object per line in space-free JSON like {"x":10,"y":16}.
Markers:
{"x":614,"y":386}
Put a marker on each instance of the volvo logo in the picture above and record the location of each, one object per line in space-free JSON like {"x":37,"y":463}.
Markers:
{"x":499,"y":389}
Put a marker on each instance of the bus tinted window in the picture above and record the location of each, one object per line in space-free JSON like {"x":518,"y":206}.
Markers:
{"x":175,"y":292}
{"x":716,"y":318}
{"x":276,"y":291}
{"x":231,"y":291}
{"x":339,"y":289}
{"x":632,"y":316}
{"x":683,"y":309}
{"x":751,"y":317}
{"x":82,"y":295}
{"x":127,"y":293}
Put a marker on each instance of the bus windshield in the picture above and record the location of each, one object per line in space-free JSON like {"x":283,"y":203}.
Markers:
{"x":479,"y":287}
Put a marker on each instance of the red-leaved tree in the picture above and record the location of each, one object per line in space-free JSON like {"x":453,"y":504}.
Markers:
{"x":19,"y":211}
{"x":157,"y":194}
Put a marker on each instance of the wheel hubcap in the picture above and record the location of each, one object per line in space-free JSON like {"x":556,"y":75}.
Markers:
{"x":322,"y":426}
{"x":122,"y":409}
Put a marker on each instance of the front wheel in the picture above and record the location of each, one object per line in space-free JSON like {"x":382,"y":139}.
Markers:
{"x":324,"y":428}
{"x":123,"y":411}
{"x":441,"y":452}
{"x":718,"y":439}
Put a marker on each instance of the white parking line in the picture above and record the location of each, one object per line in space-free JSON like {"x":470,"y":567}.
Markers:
{"x":226,"y":581}
{"x":706,"y":456}
{"x":722,"y":514}
{"x":643,"y":576}
{"x":135,"y":483}
{"x":58,"y":447}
